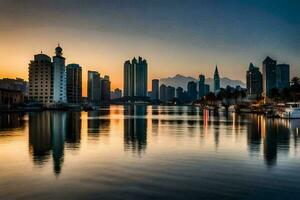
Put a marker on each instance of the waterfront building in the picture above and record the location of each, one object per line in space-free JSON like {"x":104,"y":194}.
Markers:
{"x":155,"y":89}
{"x":135,"y":78}
{"x":10,"y":97}
{"x":201,"y":86}
{"x":179,"y":93}
{"x":94,"y":87}
{"x":170,"y":93}
{"x":116,"y":94}
{"x":207,"y":89}
{"x":216,"y":81}
{"x":17,"y":84}
{"x":105,"y":89}
{"x":269,"y":76}
{"x":40,"y":79}
{"x":254,"y":81}
{"x":163,"y":93}
{"x":74,"y":83}
{"x":59,"y":77}
{"x":192,"y":90}
{"x":282,"y":76}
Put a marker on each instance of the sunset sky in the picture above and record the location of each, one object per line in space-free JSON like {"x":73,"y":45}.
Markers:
{"x":176,"y":37}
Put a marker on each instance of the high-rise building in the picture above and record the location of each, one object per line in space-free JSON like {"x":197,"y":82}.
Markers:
{"x":269,"y":75}
{"x":59,"y":77}
{"x":40,"y":79}
{"x":282,"y":76}
{"x":163,"y":93}
{"x":201,"y":86}
{"x":192,"y":90}
{"x":105,"y":89}
{"x":170,"y":93}
{"x":94,"y":87}
{"x":179,"y":93}
{"x":254,"y":81}
{"x":135,"y":78}
{"x":155,"y":89}
{"x":207,"y":89}
{"x":74,"y":83}
{"x":216,"y":81}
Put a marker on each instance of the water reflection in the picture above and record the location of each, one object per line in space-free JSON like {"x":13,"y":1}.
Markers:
{"x":10,"y":121}
{"x":135,"y":128}
{"x":98,"y":122}
{"x":48,"y":132}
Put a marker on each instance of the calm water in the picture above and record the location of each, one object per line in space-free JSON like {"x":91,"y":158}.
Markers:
{"x":148,"y":153}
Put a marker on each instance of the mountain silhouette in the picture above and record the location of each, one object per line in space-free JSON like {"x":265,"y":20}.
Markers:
{"x":182,"y":81}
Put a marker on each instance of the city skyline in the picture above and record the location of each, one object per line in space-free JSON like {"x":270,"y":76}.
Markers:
{"x":100,"y":45}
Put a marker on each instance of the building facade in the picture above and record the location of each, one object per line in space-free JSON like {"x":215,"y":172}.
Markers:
{"x":105,"y":89}
{"x":201,"y":86}
{"x":94,"y":87}
{"x":217,"y":85}
{"x":116,"y":94}
{"x":269,"y":76}
{"x":282,"y":76}
{"x":41,"y":79}
{"x":170,"y":93}
{"x":254,"y":81}
{"x":135,"y":78}
{"x":10,"y":97}
{"x":155,"y":89}
{"x":74,"y":83}
{"x":59,"y":77}
{"x":17,"y":84}
{"x":192,"y":90}
{"x":163,"y":93}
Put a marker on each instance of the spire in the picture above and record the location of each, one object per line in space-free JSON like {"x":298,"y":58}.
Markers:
{"x":58,"y":50}
{"x":216,"y":70}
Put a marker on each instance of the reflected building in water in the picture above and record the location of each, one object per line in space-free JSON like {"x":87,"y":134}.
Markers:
{"x":98,"y":122}
{"x":48,"y":132}
{"x":135,"y":128}
{"x":274,"y":134}
{"x":11,"y":121}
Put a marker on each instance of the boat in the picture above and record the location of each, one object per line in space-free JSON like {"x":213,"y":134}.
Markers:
{"x":292,"y":111}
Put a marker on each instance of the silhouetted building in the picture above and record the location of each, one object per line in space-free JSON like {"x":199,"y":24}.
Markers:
{"x":40,"y":79}
{"x":135,"y":78}
{"x":192,"y":90}
{"x":74,"y":83}
{"x":207,"y":89}
{"x":17,"y":84}
{"x":269,"y":76}
{"x":170,"y":93}
{"x":282,"y":76}
{"x":201,"y":86}
{"x":216,"y":81}
{"x":59,"y":77}
{"x":179,"y":93}
{"x":10,"y":97}
{"x":116,"y":94}
{"x":254,"y":81}
{"x":105,"y":89}
{"x":163,"y":93}
{"x":94,"y":87}
{"x":155,"y":89}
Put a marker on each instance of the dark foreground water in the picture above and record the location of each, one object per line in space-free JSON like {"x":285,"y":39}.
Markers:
{"x":148,"y":153}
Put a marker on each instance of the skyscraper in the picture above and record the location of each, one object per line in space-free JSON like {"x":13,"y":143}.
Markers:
{"x":74,"y":83}
{"x":59,"y":77}
{"x":269,"y":75}
{"x":216,"y":81}
{"x":170,"y":93}
{"x":155,"y":89}
{"x":207,"y":89}
{"x":254,"y":81}
{"x":94,"y":87}
{"x":135,"y":78}
{"x":201,"y":86}
{"x":40,"y":79}
{"x":192,"y":90}
{"x":105,"y":89}
{"x":282,"y":76}
{"x":163,"y":93}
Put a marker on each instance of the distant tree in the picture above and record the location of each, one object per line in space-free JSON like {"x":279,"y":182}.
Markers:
{"x":275,"y":95}
{"x":295,"y":81}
